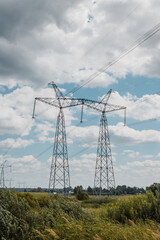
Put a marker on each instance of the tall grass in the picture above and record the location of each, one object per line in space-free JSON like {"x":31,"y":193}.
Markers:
{"x":97,"y":202}
{"x":25,"y":216}
{"x":134,"y":208}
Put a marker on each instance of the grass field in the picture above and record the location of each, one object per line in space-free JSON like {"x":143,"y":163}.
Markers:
{"x":39,"y":216}
{"x":38,"y":194}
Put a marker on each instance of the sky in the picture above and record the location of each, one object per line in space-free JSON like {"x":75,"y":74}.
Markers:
{"x":67,"y":41}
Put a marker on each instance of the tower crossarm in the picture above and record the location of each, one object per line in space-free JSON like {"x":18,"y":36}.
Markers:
{"x":71,"y":102}
{"x":103,"y":107}
{"x":50,"y":101}
{"x":5,"y":166}
{"x":65,"y":102}
{"x":62,"y":102}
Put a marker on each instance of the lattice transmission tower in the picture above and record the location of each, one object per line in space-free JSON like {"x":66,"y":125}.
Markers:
{"x":2,"y":176}
{"x":104,"y":172}
{"x":59,"y":173}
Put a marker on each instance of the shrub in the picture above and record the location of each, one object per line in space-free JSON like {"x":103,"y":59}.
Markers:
{"x":154,"y":188}
{"x":133,"y":208}
{"x":81,"y":195}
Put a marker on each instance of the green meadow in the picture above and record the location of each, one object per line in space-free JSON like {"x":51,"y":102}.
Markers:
{"x":39,"y":216}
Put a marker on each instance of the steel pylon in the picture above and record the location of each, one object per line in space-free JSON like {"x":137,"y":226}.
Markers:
{"x":2,"y":178}
{"x":2,"y":181}
{"x":59,"y":174}
{"x":104,"y":173}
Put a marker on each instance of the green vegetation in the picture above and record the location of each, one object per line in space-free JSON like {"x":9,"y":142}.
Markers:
{"x":80,"y":193}
{"x":141,"y":207}
{"x":155,"y":188}
{"x":119,"y":190}
{"x":31,"y":216}
{"x":96,"y":202}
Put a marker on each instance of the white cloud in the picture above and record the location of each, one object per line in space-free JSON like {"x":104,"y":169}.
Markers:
{"x":68,"y":41}
{"x":119,"y":134}
{"x":146,"y":163}
{"x":91,"y":155}
{"x":54,"y":41}
{"x":129,"y":136}
{"x":131,"y":153}
{"x":104,"y":79}
{"x":147,"y":156}
{"x":87,"y":136}
{"x":43,"y":130}
{"x":17,"y":108}
{"x":144,"y":108}
{"x":84,"y":164}
{"x":82,"y":169}
{"x":138,"y":173}
{"x":18,"y":143}
{"x":26,"y":169}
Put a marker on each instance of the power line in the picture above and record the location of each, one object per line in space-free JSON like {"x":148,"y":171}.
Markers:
{"x":93,"y":118}
{"x":48,"y":148}
{"x":51,"y":146}
{"x":135,"y":123}
{"x":133,"y":46}
{"x":144,"y":121}
{"x":15,"y":140}
{"x":146,"y":99}
{"x":87,"y":148}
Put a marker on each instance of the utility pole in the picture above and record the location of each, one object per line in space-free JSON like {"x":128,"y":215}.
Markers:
{"x":2,"y":176}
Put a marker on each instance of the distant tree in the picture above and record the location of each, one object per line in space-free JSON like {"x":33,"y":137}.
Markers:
{"x":75,"y":190}
{"x":112,"y":191}
{"x":141,"y":190}
{"x":81,"y":194}
{"x":119,"y":190}
{"x":124,"y":189}
{"x":128,"y":190}
{"x":89,"y":190}
{"x":154,"y":188}
{"x":38,"y":189}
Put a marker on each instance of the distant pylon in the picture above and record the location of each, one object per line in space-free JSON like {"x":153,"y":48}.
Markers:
{"x":104,"y":173}
{"x":2,"y":181}
{"x":2,"y":178}
{"x":59,"y":174}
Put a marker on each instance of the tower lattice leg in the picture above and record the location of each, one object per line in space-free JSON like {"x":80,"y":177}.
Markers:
{"x":59,"y":174}
{"x":2,"y":182}
{"x":104,"y":173}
